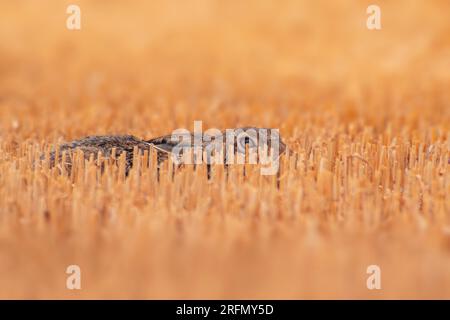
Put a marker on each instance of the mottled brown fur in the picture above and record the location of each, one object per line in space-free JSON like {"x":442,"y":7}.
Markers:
{"x":93,"y":145}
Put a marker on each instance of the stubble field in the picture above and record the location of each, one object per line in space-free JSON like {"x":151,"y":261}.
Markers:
{"x":365,"y":115}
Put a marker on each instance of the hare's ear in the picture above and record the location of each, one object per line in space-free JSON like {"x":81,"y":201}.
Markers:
{"x":166,"y":148}
{"x":159,"y":140}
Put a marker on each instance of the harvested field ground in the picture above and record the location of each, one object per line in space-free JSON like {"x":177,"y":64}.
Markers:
{"x":365,"y":114}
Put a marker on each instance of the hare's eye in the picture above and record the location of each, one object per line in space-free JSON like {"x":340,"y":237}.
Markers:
{"x":250,"y":141}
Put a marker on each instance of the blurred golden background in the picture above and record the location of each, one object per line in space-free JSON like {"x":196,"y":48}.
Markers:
{"x":310,"y":68}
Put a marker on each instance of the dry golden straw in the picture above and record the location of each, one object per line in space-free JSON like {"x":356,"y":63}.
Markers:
{"x":365,"y":179}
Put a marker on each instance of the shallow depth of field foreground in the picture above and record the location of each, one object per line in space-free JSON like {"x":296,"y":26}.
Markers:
{"x":365,"y":115}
